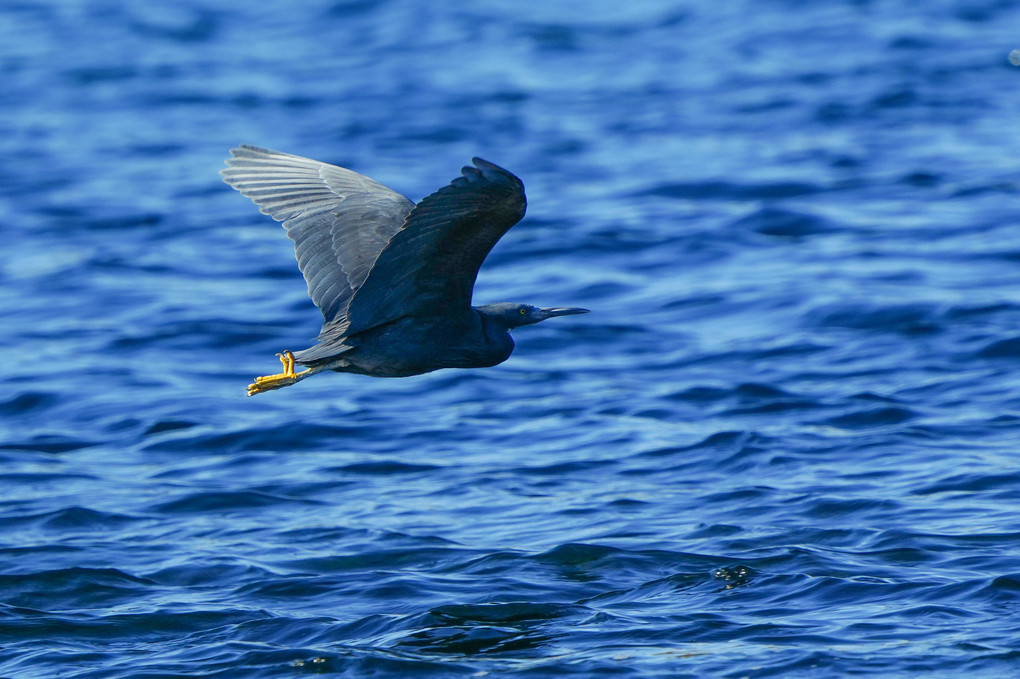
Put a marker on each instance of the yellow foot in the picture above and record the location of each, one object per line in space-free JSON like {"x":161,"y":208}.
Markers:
{"x":280,"y":380}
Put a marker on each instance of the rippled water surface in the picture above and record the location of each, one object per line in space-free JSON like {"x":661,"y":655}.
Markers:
{"x":785,"y":442}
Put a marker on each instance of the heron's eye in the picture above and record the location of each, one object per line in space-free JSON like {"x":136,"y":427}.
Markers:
{"x":524,"y":312}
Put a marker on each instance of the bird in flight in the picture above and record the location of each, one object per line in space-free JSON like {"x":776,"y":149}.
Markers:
{"x":393,"y":279}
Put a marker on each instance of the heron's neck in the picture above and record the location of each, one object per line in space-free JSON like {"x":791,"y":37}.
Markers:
{"x":496,"y":329}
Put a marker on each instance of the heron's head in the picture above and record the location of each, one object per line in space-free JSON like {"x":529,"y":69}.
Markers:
{"x":514,"y":315}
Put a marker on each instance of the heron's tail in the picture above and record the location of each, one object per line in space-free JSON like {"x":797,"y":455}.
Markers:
{"x":321,"y":354}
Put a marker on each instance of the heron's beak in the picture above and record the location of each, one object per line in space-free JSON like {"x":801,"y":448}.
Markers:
{"x":561,"y":311}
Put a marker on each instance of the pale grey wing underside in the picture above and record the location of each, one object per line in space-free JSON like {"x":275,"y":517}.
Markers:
{"x":339,"y":220}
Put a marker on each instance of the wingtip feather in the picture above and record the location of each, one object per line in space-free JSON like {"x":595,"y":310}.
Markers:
{"x":490,"y":171}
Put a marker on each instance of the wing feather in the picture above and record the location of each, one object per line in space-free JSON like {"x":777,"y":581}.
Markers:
{"x":433,"y":260}
{"x":338,"y":219}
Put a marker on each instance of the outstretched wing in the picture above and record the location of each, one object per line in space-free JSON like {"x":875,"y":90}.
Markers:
{"x":339,"y":220}
{"x":431,"y":263}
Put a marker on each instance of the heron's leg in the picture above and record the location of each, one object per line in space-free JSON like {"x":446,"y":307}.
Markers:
{"x":280,"y":380}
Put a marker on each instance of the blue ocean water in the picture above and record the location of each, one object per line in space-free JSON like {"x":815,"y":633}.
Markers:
{"x":785,"y":442}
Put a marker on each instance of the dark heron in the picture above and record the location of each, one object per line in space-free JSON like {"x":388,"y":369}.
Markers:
{"x":393,"y":279}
